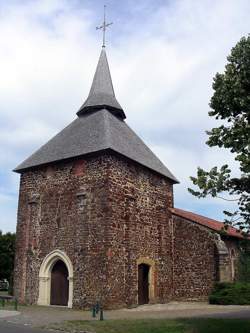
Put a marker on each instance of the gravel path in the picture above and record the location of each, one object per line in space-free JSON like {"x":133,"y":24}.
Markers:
{"x":40,"y":316}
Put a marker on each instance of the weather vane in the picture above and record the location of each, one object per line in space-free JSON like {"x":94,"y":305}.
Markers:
{"x":104,"y":26}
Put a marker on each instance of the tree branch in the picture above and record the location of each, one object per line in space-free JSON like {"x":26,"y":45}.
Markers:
{"x":219,"y":197}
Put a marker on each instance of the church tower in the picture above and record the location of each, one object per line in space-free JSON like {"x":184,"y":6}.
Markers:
{"x":93,"y":218}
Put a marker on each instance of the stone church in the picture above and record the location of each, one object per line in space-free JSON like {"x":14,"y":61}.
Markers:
{"x":96,"y":219}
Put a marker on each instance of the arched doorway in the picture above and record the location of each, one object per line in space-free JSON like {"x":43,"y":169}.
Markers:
{"x":59,"y":290}
{"x":56,"y":274}
{"x":143,"y":283}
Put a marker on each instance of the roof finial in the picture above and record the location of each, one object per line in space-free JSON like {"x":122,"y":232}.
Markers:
{"x":104,"y":26}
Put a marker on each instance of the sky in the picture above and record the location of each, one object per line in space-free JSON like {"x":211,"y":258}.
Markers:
{"x":163,"y":56}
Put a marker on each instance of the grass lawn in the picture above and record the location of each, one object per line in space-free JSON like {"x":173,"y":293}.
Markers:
{"x":157,"y":326}
{"x":8,"y":304}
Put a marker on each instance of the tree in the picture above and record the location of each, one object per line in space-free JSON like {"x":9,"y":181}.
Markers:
{"x":244,"y":261}
{"x":230,"y":104}
{"x":7,"y":253}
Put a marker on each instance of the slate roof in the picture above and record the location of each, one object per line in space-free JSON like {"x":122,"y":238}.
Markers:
{"x":102,"y":93}
{"x":100,"y":126}
{"x":95,"y":132}
{"x":205,"y":221}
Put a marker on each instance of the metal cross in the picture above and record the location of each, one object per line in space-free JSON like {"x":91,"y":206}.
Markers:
{"x":104,"y":26}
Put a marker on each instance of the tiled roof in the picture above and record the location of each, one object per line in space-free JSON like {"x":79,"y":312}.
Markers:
{"x":205,"y":221}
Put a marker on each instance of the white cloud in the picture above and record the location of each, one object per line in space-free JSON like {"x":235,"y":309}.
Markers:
{"x":162,"y":66}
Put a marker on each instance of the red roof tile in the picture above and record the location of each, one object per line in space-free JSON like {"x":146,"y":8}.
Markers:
{"x":205,"y":221}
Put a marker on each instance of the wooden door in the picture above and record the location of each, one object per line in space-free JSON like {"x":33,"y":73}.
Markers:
{"x":59,"y":293}
{"x":143,"y":284}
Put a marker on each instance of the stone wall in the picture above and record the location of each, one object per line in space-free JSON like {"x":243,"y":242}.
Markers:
{"x":63,"y":207}
{"x":195,"y":260}
{"x":230,"y":263}
{"x":108,"y":215}
{"x":139,"y":232}
{"x":105,"y":213}
{"x":201,"y":257}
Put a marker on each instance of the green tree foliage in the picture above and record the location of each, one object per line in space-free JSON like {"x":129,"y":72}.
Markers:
{"x":244,"y":262}
{"x":230,"y":105}
{"x":7,"y":253}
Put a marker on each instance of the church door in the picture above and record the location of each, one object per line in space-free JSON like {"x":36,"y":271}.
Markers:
{"x":59,"y":293}
{"x":143,"y":283}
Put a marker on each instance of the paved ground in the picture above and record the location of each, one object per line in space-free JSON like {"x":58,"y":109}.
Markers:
{"x":242,"y":314}
{"x":5,"y":313}
{"x":38,"y":316}
{"x":35,"y":316}
{"x":12,"y":328}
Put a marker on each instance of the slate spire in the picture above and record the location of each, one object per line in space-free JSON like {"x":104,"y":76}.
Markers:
{"x":102,"y":95}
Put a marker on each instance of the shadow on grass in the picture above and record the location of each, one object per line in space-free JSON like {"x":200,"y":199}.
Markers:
{"x":157,"y":326}
{"x":217,"y":325}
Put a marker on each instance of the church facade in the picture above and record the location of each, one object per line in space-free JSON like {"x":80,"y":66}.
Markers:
{"x":96,"y":219}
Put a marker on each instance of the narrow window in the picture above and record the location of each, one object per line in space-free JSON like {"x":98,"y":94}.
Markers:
{"x":81,"y":201}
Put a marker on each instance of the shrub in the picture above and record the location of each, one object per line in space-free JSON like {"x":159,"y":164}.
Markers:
{"x":230,"y":293}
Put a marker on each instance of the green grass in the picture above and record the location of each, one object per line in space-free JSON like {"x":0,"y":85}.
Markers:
{"x":230,"y":293}
{"x":8,"y":304}
{"x":156,"y":326}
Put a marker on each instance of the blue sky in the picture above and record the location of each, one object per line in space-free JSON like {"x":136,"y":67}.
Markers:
{"x":163,"y":56}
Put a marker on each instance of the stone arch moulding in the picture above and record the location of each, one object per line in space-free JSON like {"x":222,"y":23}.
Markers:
{"x":223,"y":260}
{"x":45,"y":276}
{"x":151,"y":264}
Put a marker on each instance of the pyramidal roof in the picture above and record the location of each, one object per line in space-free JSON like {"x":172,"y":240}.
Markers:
{"x":100,"y":126}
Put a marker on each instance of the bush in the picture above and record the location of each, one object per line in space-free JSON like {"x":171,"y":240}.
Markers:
{"x":230,"y":293}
